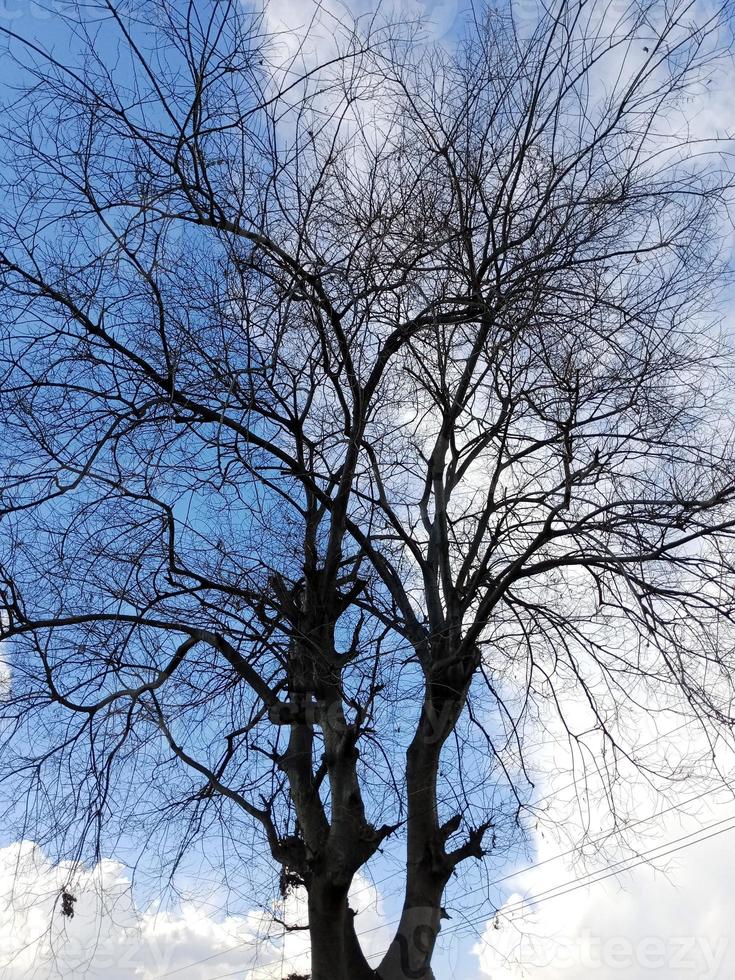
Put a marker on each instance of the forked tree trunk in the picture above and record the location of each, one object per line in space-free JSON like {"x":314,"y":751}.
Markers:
{"x":336,"y":953}
{"x":335,"y":948}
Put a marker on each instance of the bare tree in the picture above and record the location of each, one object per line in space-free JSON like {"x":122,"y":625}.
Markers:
{"x":362,"y":400}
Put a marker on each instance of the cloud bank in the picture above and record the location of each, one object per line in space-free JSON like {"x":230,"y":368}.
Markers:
{"x":109,"y":937}
{"x":676,"y":926}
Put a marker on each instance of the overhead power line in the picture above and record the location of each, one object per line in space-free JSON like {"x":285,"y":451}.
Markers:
{"x":609,"y":871}
{"x":530,"y":867}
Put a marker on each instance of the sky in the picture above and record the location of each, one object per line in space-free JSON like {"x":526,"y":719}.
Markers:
{"x":663,"y":925}
{"x":668,"y":918}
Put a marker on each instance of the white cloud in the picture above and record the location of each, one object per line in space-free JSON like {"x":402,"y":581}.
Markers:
{"x":646,"y":890}
{"x":674,"y":926}
{"x":669,"y":920}
{"x":439,"y":18}
{"x":110,"y":938}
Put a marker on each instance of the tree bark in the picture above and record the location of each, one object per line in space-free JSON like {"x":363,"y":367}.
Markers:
{"x":409,"y":955}
{"x":335,"y":949}
{"x":428,"y":864}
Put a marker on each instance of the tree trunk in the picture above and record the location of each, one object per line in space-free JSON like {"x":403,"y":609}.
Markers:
{"x":410,"y":952}
{"x":335,"y":949}
{"x":428,"y":866}
{"x":409,"y":955}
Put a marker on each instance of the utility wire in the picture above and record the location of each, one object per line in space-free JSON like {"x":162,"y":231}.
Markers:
{"x":380,"y":881}
{"x":581,"y":882}
{"x":623,"y":864}
{"x":644,"y":859}
{"x":554,"y":793}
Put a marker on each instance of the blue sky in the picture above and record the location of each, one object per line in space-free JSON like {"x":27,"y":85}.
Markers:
{"x":40,"y":24}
